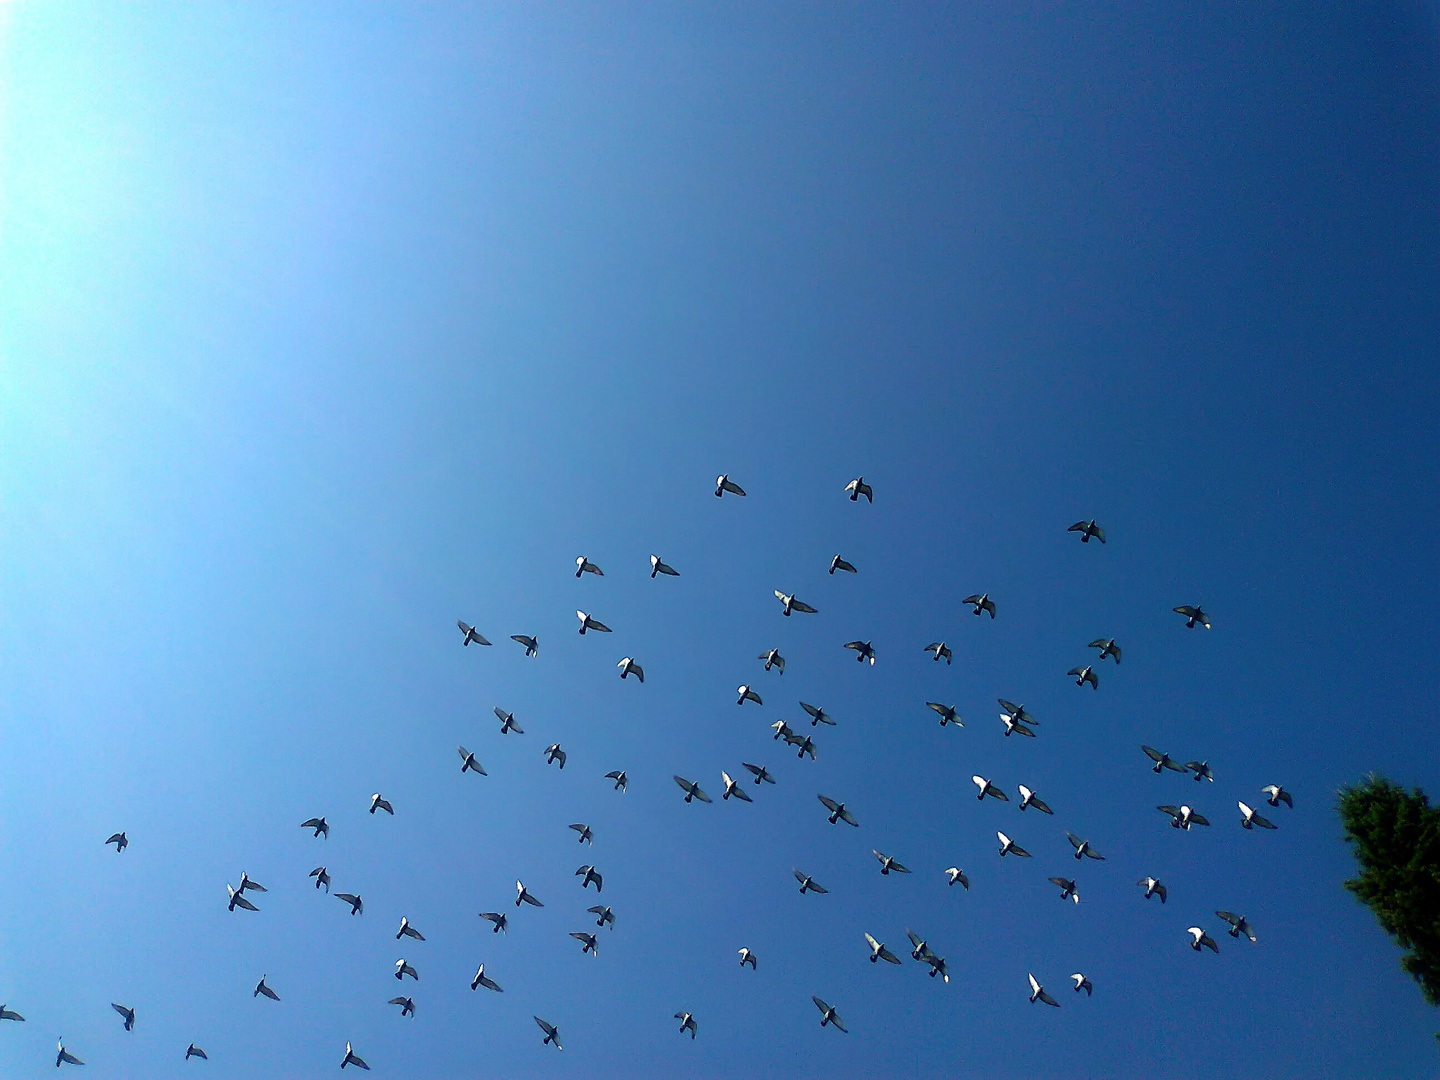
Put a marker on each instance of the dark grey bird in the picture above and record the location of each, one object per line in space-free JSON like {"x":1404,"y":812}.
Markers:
{"x":319,"y":825}
{"x":1182,"y":817}
{"x":1275,"y":795}
{"x":352,"y":1058}
{"x":470,"y":633}
{"x":628,"y":667}
{"x":500,"y":922}
{"x":378,"y":803}
{"x":940,"y":650}
{"x":589,"y":943}
{"x":1028,"y":799}
{"x":1194,"y":615}
{"x":1201,"y":771}
{"x":532,"y":646}
{"x":247,"y":884}
{"x":554,"y":755}
{"x":1083,"y":850}
{"x":1087,"y":529}
{"x":589,"y":874}
{"x":837,"y":811}
{"x":1018,"y":713}
{"x":403,"y":967}
{"x":585,"y":566}
{"x":1199,"y":939}
{"x":552,"y":1033}
{"x":622,"y":781}
{"x":1085,"y":674}
{"x":659,"y":566}
{"x":63,"y":1056}
{"x":237,"y":899}
{"x":692,"y":790}
{"x":261,"y":990}
{"x":603,"y":915}
{"x":987,"y":788}
{"x":194,"y":1051}
{"x":407,"y":1005}
{"x":789,"y":604}
{"x":1153,"y":887}
{"x":837,"y":563}
{"x":878,"y":951}
{"x":818,"y":715}
{"x":357,"y":906}
{"x":7,"y":1013}
{"x":686,"y":1022}
{"x":858,"y":487}
{"x":120,"y":840}
{"x":888,"y":863}
{"x":507,"y":722}
{"x":802,"y":746}
{"x":1249,"y":819}
{"x":1037,"y":993}
{"x":322,"y":877}
{"x":1162,"y":760}
{"x":760,"y":772}
{"x":127,"y":1013}
{"x":587,"y":623}
{"x":1238,"y":924}
{"x":407,"y":930}
{"x":524,"y":896}
{"x":773,"y":659}
{"x":980,"y":603}
{"x":948,"y":714}
{"x":807,"y":883}
{"x":587,"y":834}
{"x":828,"y":1015}
{"x":1107,"y":648}
{"x":733,"y":788}
{"x":468,"y":762}
{"x":723,"y":483}
{"x":481,"y":979}
{"x":863,"y":651}
{"x":1067,"y":888}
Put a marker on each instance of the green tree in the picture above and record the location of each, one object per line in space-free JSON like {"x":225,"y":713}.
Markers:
{"x":1396,"y":838}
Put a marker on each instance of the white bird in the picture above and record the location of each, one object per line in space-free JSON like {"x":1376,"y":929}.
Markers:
{"x":628,"y":666}
{"x":403,"y":967}
{"x":1182,"y":817}
{"x":7,"y":1013}
{"x":837,"y":811}
{"x":120,"y":840}
{"x":522,"y":896}
{"x":587,"y":835}
{"x":1085,"y":674}
{"x":587,"y":874}
{"x":532,"y":646}
{"x":1028,"y":798}
{"x":377,"y":803}
{"x":321,"y":876}
{"x":659,"y":566}
{"x":987,"y":788}
{"x":948,"y":714}
{"x":507,"y":722}
{"x":588,"y":623}
{"x":748,"y":957}
{"x":1153,"y":887}
{"x":127,"y":1013}
{"x":980,"y":603}
{"x":858,"y":487}
{"x":468,"y":762}
{"x":1249,"y":819}
{"x":733,"y":788}
{"x":940,"y":649}
{"x":760,"y":772}
{"x":1200,"y":939}
{"x":1161,"y":759}
{"x":1107,"y":647}
{"x":237,"y":899}
{"x":1037,"y":993}
{"x":723,"y":483}
{"x":807,"y":883}
{"x":406,"y":930}
{"x":604,"y":916}
{"x":789,"y":603}
{"x":407,"y":1005}
{"x":773,"y":659}
{"x":261,"y":990}
{"x":319,"y":825}
{"x":828,"y":1015}
{"x":194,"y":1051}
{"x":1238,"y":924}
{"x":352,"y":1058}
{"x":1275,"y":795}
{"x":837,"y":563}
{"x":1009,"y":847}
{"x":589,"y":943}
{"x":357,"y":906}
{"x":1067,"y":888}
{"x":1082,"y":983}
{"x":863,"y":651}
{"x":879,"y":952}
{"x":554,"y":755}
{"x":818,"y":715}
{"x":1083,"y":850}
{"x":622,"y":781}
{"x":686,"y":1021}
{"x":552,"y":1033}
{"x":888,"y":863}
{"x":470,"y":633}
{"x":692,"y":790}
{"x":500,"y":921}
{"x":746,"y":694}
{"x":1087,"y":529}
{"x":955,"y":874}
{"x":63,"y":1056}
{"x":585,"y":566}
{"x":481,"y":979}
{"x":1201,"y":769}
{"x":1193,"y":615}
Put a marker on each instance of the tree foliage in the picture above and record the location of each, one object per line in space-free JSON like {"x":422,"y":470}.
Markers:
{"x":1396,"y":838}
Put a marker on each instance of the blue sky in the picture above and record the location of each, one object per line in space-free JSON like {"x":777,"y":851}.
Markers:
{"x":320,"y":328}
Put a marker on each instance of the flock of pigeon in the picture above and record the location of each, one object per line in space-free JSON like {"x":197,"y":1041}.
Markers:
{"x":1014,"y":718}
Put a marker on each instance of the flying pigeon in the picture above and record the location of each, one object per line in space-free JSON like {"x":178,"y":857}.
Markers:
{"x":760,"y":772}
{"x":552,"y":1033}
{"x":1107,"y":647}
{"x":1238,"y":924}
{"x":837,"y":563}
{"x":554,"y":755}
{"x":1275,"y":795}
{"x":1085,"y":674}
{"x":532,"y":646}
{"x":587,"y":835}
{"x":7,"y":1013}
{"x":955,"y":874}
{"x":248,"y":885}
{"x":686,"y":1021}
{"x":828,"y":1015}
{"x":1037,"y":993}
{"x":803,"y":746}
{"x":507,"y":722}
{"x":1028,"y":798}
{"x":773,"y":659}
{"x":407,"y":1005}
{"x":1083,"y":850}
{"x":1018,"y":713}
{"x":789,"y":604}
{"x":194,"y":1051}
{"x":468,"y":762}
{"x":63,"y":1056}
{"x":1249,"y":819}
{"x":319,"y":825}
{"x":357,"y":906}
{"x":863,"y":651}
{"x":920,"y":949}
{"x":406,"y":930}
{"x":723,"y":483}
{"x":1009,"y":847}
{"x":237,"y":899}
{"x":1193,"y":615}
{"x":588,"y":874}
{"x":352,"y":1058}
{"x":746,"y":694}
{"x":470,"y":633}
{"x":1153,"y":887}
{"x":782,"y":730}
{"x":522,"y":896}
{"x":1201,"y":769}
{"x":937,"y":966}
{"x":1082,"y":983}
{"x":1200,"y":939}
{"x":818,"y":716}
{"x":879,"y":952}
{"x":837,"y":811}
{"x":321,"y":876}
{"x":1087,"y":529}
{"x":1182,"y":817}
{"x":481,"y":979}
{"x":1067,"y":888}
{"x":120,"y":840}
{"x":980,"y":602}
{"x":261,"y":990}
{"x":403,"y":967}
{"x":692,"y":790}
{"x":858,"y":487}
{"x":585,"y":566}
{"x":948,"y":714}
{"x":940,"y":649}
{"x":621,"y":780}
{"x":733,"y":788}
{"x":659,"y":566}
{"x":807,"y":883}
{"x":987,"y":788}
{"x":589,"y":943}
{"x":127,"y":1012}
{"x":587,"y":623}
{"x":604,"y":916}
{"x":377,"y":803}
{"x":1162,"y":760}
{"x":888,"y":863}
{"x":1014,"y":727}
{"x":748,"y":957}
{"x":628,"y":666}
{"x":499,"y":919}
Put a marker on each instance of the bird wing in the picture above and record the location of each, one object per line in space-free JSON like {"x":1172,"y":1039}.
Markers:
{"x":841,"y":564}
{"x":820,"y":1004}
{"x":800,"y":605}
{"x":239,"y":901}
{"x":313,"y":823}
{"x":888,"y":956}
{"x":898,"y":867}
{"x":1079,"y":526}
{"x":848,"y":818}
{"x":974,"y":598}
{"x":1047,"y":999}
{"x":830,"y":804}
{"x":732,"y":487}
{"x":1152,"y":753}
{"x":699,"y":794}
{"x":740,"y":794}
{"x":856,"y":645}
{"x":875,"y":946}
{"x":815,"y":886}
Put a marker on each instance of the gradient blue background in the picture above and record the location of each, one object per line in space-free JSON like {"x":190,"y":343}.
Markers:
{"x":321,"y":326}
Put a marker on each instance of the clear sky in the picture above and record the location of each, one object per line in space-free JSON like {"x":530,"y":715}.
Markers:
{"x":322,"y":326}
